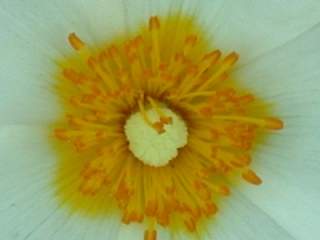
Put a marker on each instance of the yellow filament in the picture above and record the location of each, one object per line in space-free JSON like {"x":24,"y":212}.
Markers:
{"x":271,"y":123}
{"x":226,"y":64}
{"x":154,"y":29}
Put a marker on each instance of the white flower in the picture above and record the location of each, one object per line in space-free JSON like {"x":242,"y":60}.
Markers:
{"x":278,"y":42}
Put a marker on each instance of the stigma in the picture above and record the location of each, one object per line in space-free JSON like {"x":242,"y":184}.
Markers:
{"x":155,"y":135}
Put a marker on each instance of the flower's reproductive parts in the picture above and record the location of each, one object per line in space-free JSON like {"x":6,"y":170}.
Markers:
{"x":167,"y":78}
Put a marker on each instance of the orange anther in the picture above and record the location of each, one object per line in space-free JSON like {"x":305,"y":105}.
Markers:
{"x":191,"y":225}
{"x":154,"y":23}
{"x":150,"y":235}
{"x":79,"y":144}
{"x":163,"y":218}
{"x":113,"y":50}
{"x":73,"y":76}
{"x":213,"y":56}
{"x":159,"y":127}
{"x":92,"y":62}
{"x":191,"y":40}
{"x":74,"y":101}
{"x":179,"y":57}
{"x":274,"y":123}
{"x":224,"y":190}
{"x":251,"y":177}
{"x":206,"y":111}
{"x":166,"y":120}
{"x":231,"y":59}
{"x":246,"y":98}
{"x":75,"y":41}
{"x":151,"y":208}
{"x":93,"y":184}
{"x":211,"y":209}
{"x":61,"y":134}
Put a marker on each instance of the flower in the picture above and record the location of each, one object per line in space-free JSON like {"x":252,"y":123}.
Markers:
{"x":62,"y":199}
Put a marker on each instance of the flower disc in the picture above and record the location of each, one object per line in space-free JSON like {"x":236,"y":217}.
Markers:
{"x":154,"y":128}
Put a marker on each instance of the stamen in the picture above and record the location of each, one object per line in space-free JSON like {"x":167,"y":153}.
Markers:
{"x":226,"y":64}
{"x":251,"y":177}
{"x":107,"y":79}
{"x":154,"y":26}
{"x":150,"y":235}
{"x":76,"y":42}
{"x":209,"y":60}
{"x":269,"y":123}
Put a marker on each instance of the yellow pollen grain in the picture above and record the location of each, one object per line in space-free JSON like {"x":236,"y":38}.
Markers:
{"x":168,"y":62}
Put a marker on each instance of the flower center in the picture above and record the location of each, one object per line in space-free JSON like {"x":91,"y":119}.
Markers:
{"x":155,"y":135}
{"x":126,"y":148}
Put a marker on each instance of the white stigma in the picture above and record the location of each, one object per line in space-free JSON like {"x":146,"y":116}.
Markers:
{"x":148,"y":145}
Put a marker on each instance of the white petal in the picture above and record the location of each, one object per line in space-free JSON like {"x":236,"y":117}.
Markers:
{"x":239,"y":219}
{"x":253,"y":28}
{"x":28,"y":207}
{"x":289,"y":162}
{"x":33,"y":37}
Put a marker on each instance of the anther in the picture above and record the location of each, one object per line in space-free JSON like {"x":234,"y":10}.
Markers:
{"x":163,"y":118}
{"x":154,"y":23}
{"x":75,"y":42}
{"x":251,"y":177}
{"x":150,"y":235}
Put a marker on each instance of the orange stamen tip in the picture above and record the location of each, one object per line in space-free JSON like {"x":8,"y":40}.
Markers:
{"x":75,"y":41}
{"x":224,"y":190}
{"x":166,"y":120}
{"x":274,"y":123}
{"x":150,"y":235}
{"x":211,"y":209}
{"x":138,"y":40}
{"x":213,"y":56}
{"x":113,"y":51}
{"x":191,"y":40}
{"x":154,"y":23}
{"x":159,"y":127}
{"x":251,"y":177}
{"x":232,"y":58}
{"x":206,"y":111}
{"x":60,"y":134}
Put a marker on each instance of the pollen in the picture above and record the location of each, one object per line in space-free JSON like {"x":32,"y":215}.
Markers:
{"x":155,"y":127}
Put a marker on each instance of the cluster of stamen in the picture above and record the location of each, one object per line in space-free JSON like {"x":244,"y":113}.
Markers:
{"x":109,"y":85}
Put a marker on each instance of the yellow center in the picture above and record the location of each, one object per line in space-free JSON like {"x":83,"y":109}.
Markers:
{"x":154,"y":128}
